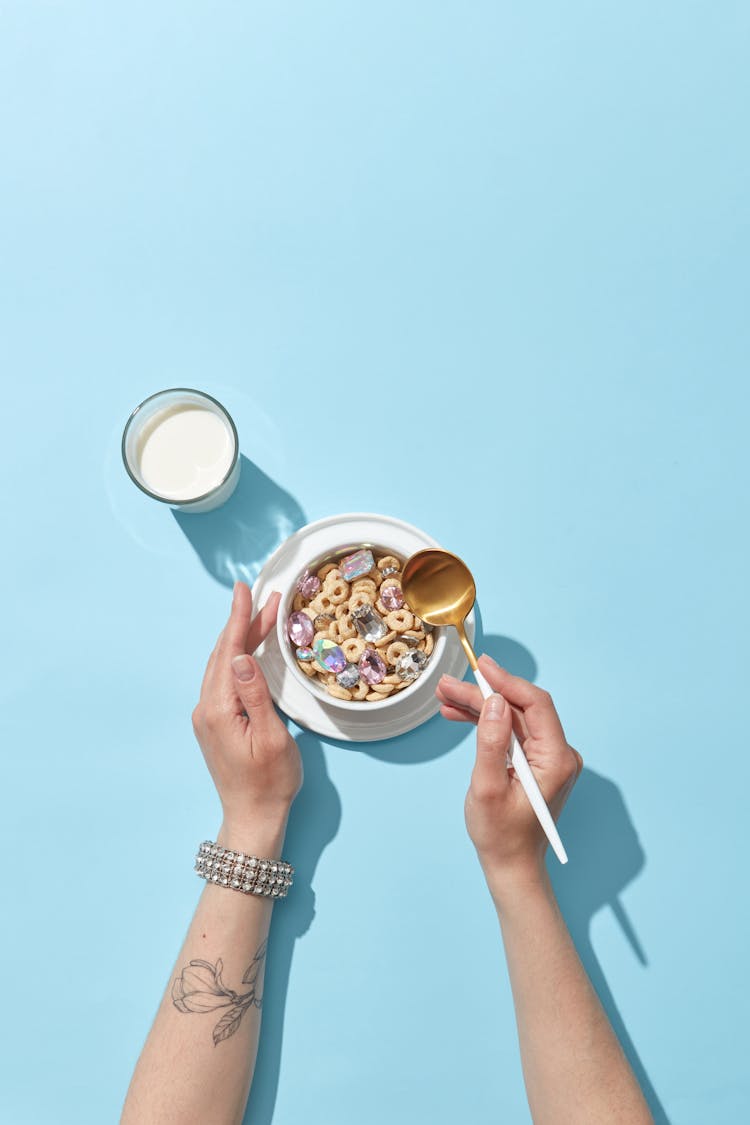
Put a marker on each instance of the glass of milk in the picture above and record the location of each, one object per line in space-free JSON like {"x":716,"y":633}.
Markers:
{"x":180,"y":446}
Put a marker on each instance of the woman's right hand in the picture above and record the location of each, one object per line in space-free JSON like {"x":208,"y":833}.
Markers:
{"x":509,"y":840}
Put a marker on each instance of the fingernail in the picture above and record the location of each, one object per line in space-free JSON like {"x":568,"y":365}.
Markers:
{"x":234,"y":592}
{"x":495,"y":708}
{"x":244,"y":668}
{"x":487,"y":657}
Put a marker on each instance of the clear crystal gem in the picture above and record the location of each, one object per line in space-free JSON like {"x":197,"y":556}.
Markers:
{"x":246,"y":886}
{"x":253,"y":861}
{"x":372,"y":667}
{"x":368,"y":623}
{"x":328,"y":655}
{"x":410,"y":665}
{"x":354,"y":566}
{"x":389,"y":570}
{"x":322,"y":622}
{"x":410,"y":640}
{"x":348,"y":677}
{"x":235,"y":883}
{"x":300,"y":629}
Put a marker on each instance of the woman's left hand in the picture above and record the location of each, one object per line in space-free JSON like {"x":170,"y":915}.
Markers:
{"x":254,"y":761}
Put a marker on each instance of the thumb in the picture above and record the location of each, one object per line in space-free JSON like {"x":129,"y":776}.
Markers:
{"x":250,"y":685}
{"x":493,"y":734}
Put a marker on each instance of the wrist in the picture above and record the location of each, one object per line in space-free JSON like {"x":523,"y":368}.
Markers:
{"x":254,"y":835}
{"x":513,"y":887}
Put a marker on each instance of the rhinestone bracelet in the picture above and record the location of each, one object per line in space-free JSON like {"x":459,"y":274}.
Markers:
{"x":246,"y":873}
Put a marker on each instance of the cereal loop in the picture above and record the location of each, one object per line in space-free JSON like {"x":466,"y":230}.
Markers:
{"x":338,"y":692}
{"x":360,"y":690}
{"x":332,"y":576}
{"x":353,"y":649}
{"x":365,"y":586}
{"x":388,"y":639}
{"x":338,"y":591}
{"x":400,"y":620}
{"x":357,"y":600}
{"x":326,"y":570}
{"x":306,"y":667}
{"x":322,"y":603}
{"x":383,"y":688}
{"x":429,"y":644}
{"x":395,"y":650}
{"x":386,"y":561}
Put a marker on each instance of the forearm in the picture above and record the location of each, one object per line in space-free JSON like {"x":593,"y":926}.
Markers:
{"x":198,"y":1060}
{"x":574,"y":1067}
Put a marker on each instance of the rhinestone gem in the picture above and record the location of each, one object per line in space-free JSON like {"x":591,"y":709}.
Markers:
{"x":226,"y":868}
{"x":235,"y":883}
{"x":253,"y":861}
{"x":322,"y":622}
{"x":372,"y":667}
{"x":389,"y":570}
{"x":348,"y":677}
{"x":240,"y":857}
{"x":224,"y":881}
{"x":308,"y":585}
{"x":214,"y":878}
{"x":392,"y":597}
{"x":410,"y":640}
{"x":328,"y":655}
{"x":238,"y":869}
{"x":305,"y":654}
{"x":410,"y":665}
{"x":368,"y":623}
{"x":300,"y":629}
{"x":354,"y":566}
{"x":229,"y":856}
{"x":247,"y":886}
{"x":209,"y":863}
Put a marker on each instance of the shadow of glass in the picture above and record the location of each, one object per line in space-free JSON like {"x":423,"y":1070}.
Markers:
{"x":313,"y":822}
{"x":234,"y":541}
{"x":605,"y":855}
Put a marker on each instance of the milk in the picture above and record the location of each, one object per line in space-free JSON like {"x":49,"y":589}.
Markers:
{"x":184,"y":452}
{"x":180,"y":446}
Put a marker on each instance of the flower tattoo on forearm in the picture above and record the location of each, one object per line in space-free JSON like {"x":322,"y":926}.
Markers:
{"x":199,"y":988}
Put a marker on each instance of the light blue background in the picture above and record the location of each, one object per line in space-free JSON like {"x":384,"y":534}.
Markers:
{"x":481,"y":266}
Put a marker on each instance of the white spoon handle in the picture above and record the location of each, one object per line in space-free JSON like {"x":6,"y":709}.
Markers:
{"x":517,"y":759}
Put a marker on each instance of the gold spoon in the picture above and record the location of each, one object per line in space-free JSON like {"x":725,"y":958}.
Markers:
{"x":439,"y":588}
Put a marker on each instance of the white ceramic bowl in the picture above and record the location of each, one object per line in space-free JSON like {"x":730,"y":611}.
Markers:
{"x":312,"y":683}
{"x":291,"y":689}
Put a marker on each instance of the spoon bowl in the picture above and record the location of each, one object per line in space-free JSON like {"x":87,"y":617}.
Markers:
{"x":440,"y":588}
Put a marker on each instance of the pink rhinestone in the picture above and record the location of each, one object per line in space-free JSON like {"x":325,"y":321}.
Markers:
{"x":392,"y":597}
{"x":300,"y":629}
{"x":308,"y":585}
{"x":372,"y":667}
